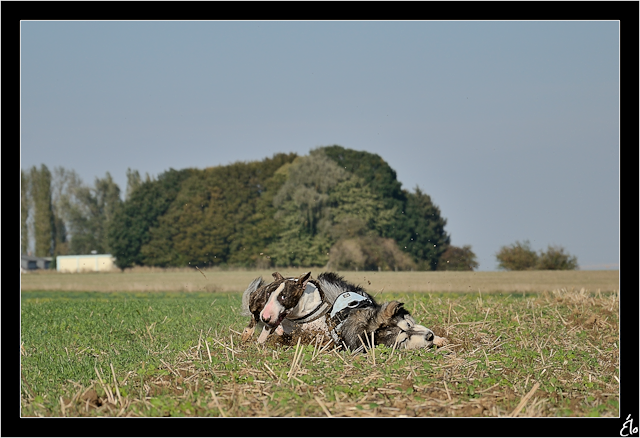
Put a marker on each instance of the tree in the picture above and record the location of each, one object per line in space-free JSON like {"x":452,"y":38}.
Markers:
{"x":67,"y":211}
{"x":108,"y":201}
{"x":354,"y":207}
{"x":419,"y":230}
{"x":455,"y":258}
{"x":43,"y":212}
{"x":87,"y":211}
{"x":416,"y":224}
{"x":517,"y":257}
{"x":305,"y":193}
{"x":320,"y":204}
{"x":214,"y":219}
{"x":129,"y":228}
{"x":556,"y":259}
{"x":303,"y":210}
{"x":133,"y":182}
{"x":261,"y":228}
{"x":282,"y":211}
{"x":65,"y":183}
{"x":25,"y":206}
{"x":376,"y":173}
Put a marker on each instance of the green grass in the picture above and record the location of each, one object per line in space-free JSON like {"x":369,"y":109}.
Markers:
{"x":178,"y":354}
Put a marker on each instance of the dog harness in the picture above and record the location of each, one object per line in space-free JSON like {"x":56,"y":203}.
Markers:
{"x":342,"y":307}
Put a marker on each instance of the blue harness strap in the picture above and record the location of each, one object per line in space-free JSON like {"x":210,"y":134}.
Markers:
{"x":347,"y":300}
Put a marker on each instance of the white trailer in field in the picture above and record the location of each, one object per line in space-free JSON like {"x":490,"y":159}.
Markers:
{"x":85,"y":263}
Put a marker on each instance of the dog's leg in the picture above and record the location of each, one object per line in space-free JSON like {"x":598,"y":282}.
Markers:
{"x":247,"y":333}
{"x":266,"y":331}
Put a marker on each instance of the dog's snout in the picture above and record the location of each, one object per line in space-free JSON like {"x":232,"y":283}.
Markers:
{"x":266,"y":319}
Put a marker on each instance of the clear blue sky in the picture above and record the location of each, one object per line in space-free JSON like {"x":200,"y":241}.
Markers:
{"x":511,"y":127}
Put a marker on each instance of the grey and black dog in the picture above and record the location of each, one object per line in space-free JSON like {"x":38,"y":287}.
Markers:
{"x":335,"y":307}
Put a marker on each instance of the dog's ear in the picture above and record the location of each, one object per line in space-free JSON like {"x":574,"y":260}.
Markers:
{"x":277,"y":276}
{"x":384,"y":316}
{"x":390,"y":309}
{"x":304,"y":277}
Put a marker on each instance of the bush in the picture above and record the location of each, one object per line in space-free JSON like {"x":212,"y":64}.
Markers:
{"x":520,"y":257}
{"x":457,"y":259}
{"x":369,"y":253}
{"x":556,"y":259}
{"x":517,"y":257}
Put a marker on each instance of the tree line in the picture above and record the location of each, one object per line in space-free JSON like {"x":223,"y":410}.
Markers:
{"x":62,"y":215}
{"x":336,"y":207}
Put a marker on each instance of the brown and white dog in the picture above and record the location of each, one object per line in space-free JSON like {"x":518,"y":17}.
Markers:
{"x":286,"y":293}
{"x":333,"y":306}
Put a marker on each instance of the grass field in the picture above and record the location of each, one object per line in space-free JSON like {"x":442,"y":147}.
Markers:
{"x":549,"y":350}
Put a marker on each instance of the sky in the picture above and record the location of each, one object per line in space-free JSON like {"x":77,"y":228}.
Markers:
{"x":512,"y":128}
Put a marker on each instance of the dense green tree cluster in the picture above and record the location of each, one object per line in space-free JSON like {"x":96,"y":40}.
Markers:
{"x":415,"y":223}
{"x":131,"y":227}
{"x":336,"y":207}
{"x":333,"y":214}
{"x":217,"y":216}
{"x":520,"y":257}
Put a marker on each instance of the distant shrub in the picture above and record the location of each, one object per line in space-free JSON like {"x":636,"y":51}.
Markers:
{"x":457,"y":259}
{"x":520,"y":257}
{"x":556,"y":259}
{"x":517,"y":257}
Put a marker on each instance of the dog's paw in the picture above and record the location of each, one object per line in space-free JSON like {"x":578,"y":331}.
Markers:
{"x":439,"y":342}
{"x":247,"y":333}
{"x":280,"y":330}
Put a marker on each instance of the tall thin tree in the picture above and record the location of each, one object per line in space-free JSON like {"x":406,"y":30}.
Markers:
{"x":43,"y":211}
{"x":133,"y":182}
{"x":25,"y":201}
{"x":107,"y":195}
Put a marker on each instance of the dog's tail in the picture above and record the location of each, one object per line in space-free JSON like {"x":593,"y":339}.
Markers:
{"x":253,"y":286}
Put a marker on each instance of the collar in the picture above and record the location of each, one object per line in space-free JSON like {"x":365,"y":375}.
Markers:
{"x":320,"y":310}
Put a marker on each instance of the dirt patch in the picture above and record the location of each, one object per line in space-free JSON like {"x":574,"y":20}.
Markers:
{"x":470,"y":410}
{"x":308,"y":337}
{"x":435,"y":393}
{"x":92,"y":396}
{"x":406,"y":384}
